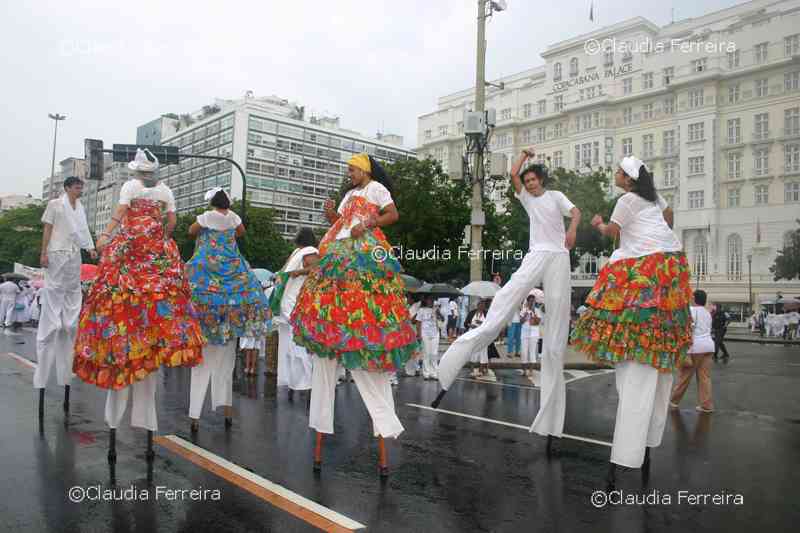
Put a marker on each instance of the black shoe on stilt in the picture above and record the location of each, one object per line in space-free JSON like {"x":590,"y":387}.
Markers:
{"x":150,"y":455}
{"x":194,"y":427}
{"x":646,"y":465}
{"x":291,"y":395}
{"x":112,"y":446}
{"x":549,"y":448}
{"x":318,"y":453}
{"x":66,"y":398}
{"x":228,"y":422}
{"x":438,"y":399}
{"x":611,"y":477}
{"x":41,"y":404}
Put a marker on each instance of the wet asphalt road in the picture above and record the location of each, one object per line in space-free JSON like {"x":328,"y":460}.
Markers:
{"x":448,"y":473}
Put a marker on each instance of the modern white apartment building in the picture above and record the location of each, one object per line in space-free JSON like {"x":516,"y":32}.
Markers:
{"x":10,"y":201}
{"x":71,"y":166}
{"x":712,"y":104}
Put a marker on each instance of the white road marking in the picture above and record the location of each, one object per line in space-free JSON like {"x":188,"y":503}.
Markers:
{"x":29,"y":364}
{"x":503,"y":423}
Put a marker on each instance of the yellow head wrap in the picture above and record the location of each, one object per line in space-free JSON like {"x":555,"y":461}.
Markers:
{"x":361,"y":161}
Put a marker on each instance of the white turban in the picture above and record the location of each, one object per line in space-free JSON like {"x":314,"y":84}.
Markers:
{"x":210,"y":194}
{"x":631,"y":166}
{"x":142,"y":163}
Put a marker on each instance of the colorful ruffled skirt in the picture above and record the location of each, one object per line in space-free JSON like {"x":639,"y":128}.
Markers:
{"x":227,"y":296}
{"x":353,"y":309}
{"x":138,"y":313}
{"x":638,"y":311}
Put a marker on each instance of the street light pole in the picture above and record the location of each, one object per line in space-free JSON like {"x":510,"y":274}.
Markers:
{"x":750,"y":280}
{"x":477,"y":215}
{"x":56,"y":118}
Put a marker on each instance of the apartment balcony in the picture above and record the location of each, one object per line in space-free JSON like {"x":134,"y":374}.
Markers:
{"x":761,"y":136}
{"x":664,"y":153}
{"x":790,"y":133}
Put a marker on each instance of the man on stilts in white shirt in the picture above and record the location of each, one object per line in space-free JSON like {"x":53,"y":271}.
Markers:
{"x":546,"y":263}
{"x":65,"y":234}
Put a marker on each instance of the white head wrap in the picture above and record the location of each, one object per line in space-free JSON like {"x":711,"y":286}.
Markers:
{"x":141,"y":163}
{"x":631,"y":166}
{"x":210,"y":194}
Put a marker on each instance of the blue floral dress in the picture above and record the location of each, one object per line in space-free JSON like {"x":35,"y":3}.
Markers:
{"x":226,"y":294}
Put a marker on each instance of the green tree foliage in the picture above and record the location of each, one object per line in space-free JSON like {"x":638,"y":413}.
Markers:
{"x":787,"y":262}
{"x":21,"y":231}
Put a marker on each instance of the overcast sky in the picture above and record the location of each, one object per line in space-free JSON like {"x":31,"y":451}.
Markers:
{"x":375,"y":63}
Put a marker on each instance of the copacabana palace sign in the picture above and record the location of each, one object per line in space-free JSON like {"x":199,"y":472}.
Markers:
{"x":612,"y":73}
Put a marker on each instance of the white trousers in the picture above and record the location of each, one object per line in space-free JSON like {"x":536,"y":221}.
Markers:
{"x":143,"y":412}
{"x":529,"y":351}
{"x":552,"y":270}
{"x":60,"y":302}
{"x":641,"y":413}
{"x":375,"y":390}
{"x":6,"y":309}
{"x":299,"y":371}
{"x":217,"y":367}
{"x":430,"y":356}
{"x":478,"y":356}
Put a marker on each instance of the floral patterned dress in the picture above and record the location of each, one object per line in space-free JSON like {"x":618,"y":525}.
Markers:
{"x":352,"y":308}
{"x":227,"y":295}
{"x":138,"y":313}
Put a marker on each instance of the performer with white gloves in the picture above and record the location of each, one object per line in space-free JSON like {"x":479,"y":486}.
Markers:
{"x":66,"y":232}
{"x":294,"y":361}
{"x":547,"y":262}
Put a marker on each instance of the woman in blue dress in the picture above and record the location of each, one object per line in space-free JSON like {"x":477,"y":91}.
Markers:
{"x":229,"y":301}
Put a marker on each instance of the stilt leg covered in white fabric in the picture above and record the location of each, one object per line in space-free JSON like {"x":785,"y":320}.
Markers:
{"x":58,"y":318}
{"x":299,"y":363}
{"x":553,"y":393}
{"x":217,"y":367}
{"x":143,"y":412}
{"x":375,"y":390}
{"x":284,"y":337}
{"x":641,"y":412}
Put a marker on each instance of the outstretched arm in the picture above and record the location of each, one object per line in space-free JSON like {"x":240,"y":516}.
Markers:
{"x":609,"y":230}
{"x":515,"y":181}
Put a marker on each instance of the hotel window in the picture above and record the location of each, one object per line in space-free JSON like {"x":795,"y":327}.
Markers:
{"x":791,"y":158}
{"x":699,"y":65}
{"x":427,"y":134}
{"x":627,"y":55}
{"x":627,"y":86}
{"x":559,"y":103}
{"x":761,"y":89}
{"x":540,"y":135}
{"x":647,"y":145}
{"x":696,"y":165}
{"x":696,"y":132}
{"x":761,"y":194}
{"x":667,"y":75}
{"x":557,"y":130}
{"x":590,"y":92}
{"x":791,"y":45}
{"x":580,"y":94}
{"x":608,"y":56}
{"x":734,"y":257}
{"x":761,"y":53}
{"x":733,"y":93}
{"x":505,"y":113}
{"x":527,"y":110}
{"x":526,"y":136}
{"x":734,"y":131}
{"x":761,"y":162}
{"x":542,"y":106}
{"x":647,"y":111}
{"x":669,"y":106}
{"x":627,"y":146}
{"x":670,"y":174}
{"x":460,"y":127}
{"x":791,"y":192}
{"x":573,"y":67}
{"x":627,"y":115}
{"x":596,"y":119}
{"x":696,"y":98}
{"x":557,"y":72}
{"x":558,"y":159}
{"x":733,"y":59}
{"x":696,"y":199}
{"x":734,"y":197}
{"x":647,"y":80}
{"x":761,"y":130}
{"x":734,"y":165}
{"x":586,"y":154}
{"x":791,"y":121}
{"x":442,"y":131}
{"x":669,"y":142}
{"x":791,"y":81}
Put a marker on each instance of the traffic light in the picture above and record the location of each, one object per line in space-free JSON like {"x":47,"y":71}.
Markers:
{"x":93,"y":154}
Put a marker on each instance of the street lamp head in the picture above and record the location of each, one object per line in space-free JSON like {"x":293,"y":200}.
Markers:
{"x":56,"y":116}
{"x":499,"y":5}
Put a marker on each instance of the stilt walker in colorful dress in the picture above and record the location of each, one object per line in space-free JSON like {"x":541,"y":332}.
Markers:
{"x":294,"y":361}
{"x":638,"y":314}
{"x":66,"y":232}
{"x":228,"y":300}
{"x":546,"y":263}
{"x":352,"y":310}
{"x":138,"y":314}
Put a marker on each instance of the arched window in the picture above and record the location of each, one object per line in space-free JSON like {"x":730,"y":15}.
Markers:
{"x":573,"y":66}
{"x":557,"y":72}
{"x":700,"y":255}
{"x":734,"y":257}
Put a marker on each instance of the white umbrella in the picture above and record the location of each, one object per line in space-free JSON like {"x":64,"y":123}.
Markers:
{"x":788,"y":300}
{"x":538,"y":294}
{"x":481,"y":289}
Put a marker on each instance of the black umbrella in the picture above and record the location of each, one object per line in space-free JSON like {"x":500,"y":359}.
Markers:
{"x":13,"y":276}
{"x":412,"y":284}
{"x":438,"y":289}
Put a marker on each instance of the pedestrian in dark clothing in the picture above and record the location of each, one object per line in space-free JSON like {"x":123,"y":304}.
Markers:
{"x":719,"y":326}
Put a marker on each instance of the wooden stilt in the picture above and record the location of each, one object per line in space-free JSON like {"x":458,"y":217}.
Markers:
{"x":112,"y":446}
{"x":384,"y":466}
{"x":318,"y":453}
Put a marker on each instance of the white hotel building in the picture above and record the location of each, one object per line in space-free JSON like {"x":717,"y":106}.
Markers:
{"x":712,"y":104}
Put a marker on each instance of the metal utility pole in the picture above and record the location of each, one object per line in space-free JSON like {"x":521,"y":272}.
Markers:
{"x":478,"y":218}
{"x":56,"y":118}
{"x":750,"y":280}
